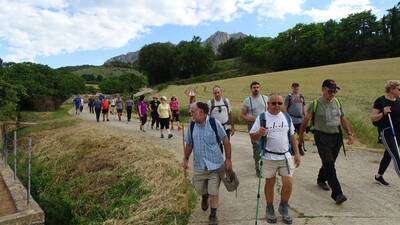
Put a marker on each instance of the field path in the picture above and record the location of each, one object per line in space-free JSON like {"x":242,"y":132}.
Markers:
{"x":368,"y":204}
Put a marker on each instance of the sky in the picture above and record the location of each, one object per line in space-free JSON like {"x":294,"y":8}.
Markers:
{"x":76,"y":32}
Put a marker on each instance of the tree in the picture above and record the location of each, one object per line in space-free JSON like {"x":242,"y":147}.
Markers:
{"x":158,"y":62}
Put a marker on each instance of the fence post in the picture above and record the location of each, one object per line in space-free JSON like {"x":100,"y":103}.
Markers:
{"x":15,"y":154}
{"x":28,"y":190}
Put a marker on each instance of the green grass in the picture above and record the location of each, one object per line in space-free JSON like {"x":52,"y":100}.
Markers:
{"x":104,"y":71}
{"x":361,"y":83}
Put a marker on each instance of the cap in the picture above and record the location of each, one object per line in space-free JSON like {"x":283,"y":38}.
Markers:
{"x":163,"y":97}
{"x":329,"y":83}
{"x":295,"y":85}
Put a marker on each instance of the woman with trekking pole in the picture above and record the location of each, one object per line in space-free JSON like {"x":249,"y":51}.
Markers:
{"x":386,"y":117}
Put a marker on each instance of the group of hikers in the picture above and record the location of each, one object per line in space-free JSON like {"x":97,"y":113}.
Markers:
{"x":273,"y":121}
{"x":276,"y":125}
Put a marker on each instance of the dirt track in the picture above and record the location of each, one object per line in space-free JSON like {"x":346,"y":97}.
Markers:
{"x":368,"y":203}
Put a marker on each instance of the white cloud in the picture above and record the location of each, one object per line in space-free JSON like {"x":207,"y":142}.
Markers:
{"x":50,"y":27}
{"x":339,"y":9}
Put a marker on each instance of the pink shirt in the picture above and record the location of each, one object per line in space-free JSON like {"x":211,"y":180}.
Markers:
{"x":174,"y":105}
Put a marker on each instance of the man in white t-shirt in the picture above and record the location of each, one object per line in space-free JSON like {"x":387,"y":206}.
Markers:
{"x":275,"y":155}
{"x":221,"y":109}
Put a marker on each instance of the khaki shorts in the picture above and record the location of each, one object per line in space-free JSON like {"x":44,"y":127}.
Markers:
{"x":271,"y":167}
{"x":206,"y":182}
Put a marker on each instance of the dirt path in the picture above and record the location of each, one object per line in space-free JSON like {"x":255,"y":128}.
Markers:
{"x":368,"y":203}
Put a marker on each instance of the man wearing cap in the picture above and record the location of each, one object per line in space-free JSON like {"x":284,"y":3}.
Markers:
{"x":327,"y":117}
{"x":295,"y":107}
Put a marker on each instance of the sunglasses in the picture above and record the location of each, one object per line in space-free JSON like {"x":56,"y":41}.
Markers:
{"x":276,"y":103}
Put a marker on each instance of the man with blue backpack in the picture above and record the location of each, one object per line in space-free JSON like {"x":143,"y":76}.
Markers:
{"x":203,"y":138}
{"x":278,"y":148}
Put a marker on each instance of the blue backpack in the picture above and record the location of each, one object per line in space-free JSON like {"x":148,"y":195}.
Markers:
{"x":261,"y":142}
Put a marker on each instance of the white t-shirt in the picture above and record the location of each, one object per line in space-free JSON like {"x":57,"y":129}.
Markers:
{"x":220,"y":111}
{"x":277,"y":135}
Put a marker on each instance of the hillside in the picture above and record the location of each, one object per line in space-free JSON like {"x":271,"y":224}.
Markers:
{"x":104,"y":71}
{"x":360,"y":82}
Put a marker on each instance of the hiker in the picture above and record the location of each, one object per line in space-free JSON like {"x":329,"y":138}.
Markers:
{"x":154,"y":114}
{"x":174,"y":105}
{"x":221,"y":110}
{"x":142,"y":111}
{"x":327,"y":117}
{"x":129,"y":106}
{"x":119,"y":106}
{"x":295,"y":107}
{"x":203,"y":139}
{"x":77,"y":103}
{"x":112,"y":103}
{"x":91,"y":104}
{"x":389,"y":103}
{"x":277,"y":130}
{"x":97,"y":108}
{"x":81,"y":105}
{"x":192,"y":100}
{"x":252,"y":106}
{"x":105,"y":106}
{"x":101,"y":97}
{"x":164,"y":112}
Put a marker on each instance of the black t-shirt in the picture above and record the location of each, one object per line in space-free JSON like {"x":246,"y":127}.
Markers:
{"x":154,"y":105}
{"x":381,"y":103}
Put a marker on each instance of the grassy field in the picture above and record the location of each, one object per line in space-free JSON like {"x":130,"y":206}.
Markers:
{"x":84,"y":175}
{"x":104,"y":71}
{"x":361,"y":83}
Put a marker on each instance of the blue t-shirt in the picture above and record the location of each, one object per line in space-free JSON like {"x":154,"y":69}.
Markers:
{"x":77,"y":102}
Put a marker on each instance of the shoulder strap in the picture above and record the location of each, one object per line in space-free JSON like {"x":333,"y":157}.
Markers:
{"x":226,"y":104}
{"x":289,"y":121}
{"x":212,"y":105}
{"x":314,"y":110}
{"x":214,"y":127}
{"x":290,"y":101}
{"x":338,"y":103}
{"x":265,"y":103}
{"x":263,"y":123}
{"x":304,"y":100}
{"x":251,"y":106}
{"x":191,"y":131}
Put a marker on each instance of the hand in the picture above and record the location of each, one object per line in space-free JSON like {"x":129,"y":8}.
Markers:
{"x":262,"y":131}
{"x":228,"y":165}
{"x":297,"y":160}
{"x":386,"y":110}
{"x":232,"y":131}
{"x":350,"y":139}
{"x":185,"y":164}
{"x":251,"y":118}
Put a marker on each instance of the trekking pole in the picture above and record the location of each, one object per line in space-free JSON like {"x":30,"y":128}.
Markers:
{"x":394,"y":135}
{"x":341,"y":138}
{"x":258,"y":191}
{"x":186,"y":199}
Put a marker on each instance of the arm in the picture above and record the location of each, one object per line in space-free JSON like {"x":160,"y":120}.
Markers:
{"x":295,"y":146}
{"x":228,"y":153}
{"x":347,"y":126}
{"x":377,"y":115}
{"x":303,"y":127}
{"x":232,"y":124}
{"x":186,"y":154}
{"x":246,"y":117}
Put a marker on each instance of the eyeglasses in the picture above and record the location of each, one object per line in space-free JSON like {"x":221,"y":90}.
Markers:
{"x":276,"y":103}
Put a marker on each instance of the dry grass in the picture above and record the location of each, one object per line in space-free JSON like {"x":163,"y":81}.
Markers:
{"x":85,"y":153}
{"x":361,"y":83}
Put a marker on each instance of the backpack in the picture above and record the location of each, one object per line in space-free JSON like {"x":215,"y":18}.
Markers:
{"x":213,"y":126}
{"x":263,"y":123}
{"x":213,"y":104}
{"x":290,"y":100}
{"x":251,"y":105}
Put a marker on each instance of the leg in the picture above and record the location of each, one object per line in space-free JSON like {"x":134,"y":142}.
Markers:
{"x":287,"y":184}
{"x":269,"y":189}
{"x":384,"y":163}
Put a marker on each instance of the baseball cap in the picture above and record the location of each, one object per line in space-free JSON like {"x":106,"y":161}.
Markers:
{"x":329,"y":83}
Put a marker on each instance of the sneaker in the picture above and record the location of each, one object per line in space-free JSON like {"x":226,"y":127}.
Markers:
{"x":270,"y":214}
{"x":380,"y":180}
{"x":162,"y":136}
{"x":170,"y":135}
{"x":323,"y":186}
{"x":213,"y":220}
{"x":204,"y":202}
{"x":340,"y":199}
{"x":284,"y":211}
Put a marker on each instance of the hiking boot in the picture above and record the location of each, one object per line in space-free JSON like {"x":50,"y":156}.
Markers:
{"x":204,"y":202}
{"x":162,"y":136}
{"x":323,"y":186}
{"x":380,"y":180}
{"x":284,"y":211}
{"x":213,"y":220}
{"x":340,"y":199}
{"x":270,"y":214}
{"x":170,"y":136}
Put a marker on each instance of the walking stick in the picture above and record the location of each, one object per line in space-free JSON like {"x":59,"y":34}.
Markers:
{"x":394,"y":135}
{"x":185,"y":182}
{"x":258,"y":191}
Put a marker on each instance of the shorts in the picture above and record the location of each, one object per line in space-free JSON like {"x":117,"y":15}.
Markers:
{"x":175,"y":115}
{"x":271,"y":167}
{"x":104,"y":111}
{"x":164,"y":123}
{"x":119,"y":110}
{"x":143,"y":119}
{"x":206,"y":182}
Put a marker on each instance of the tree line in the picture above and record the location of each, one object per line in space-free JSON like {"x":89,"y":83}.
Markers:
{"x":359,"y":36}
{"x":30,"y":86}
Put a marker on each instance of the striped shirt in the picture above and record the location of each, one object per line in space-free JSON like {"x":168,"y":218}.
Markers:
{"x":206,"y":151}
